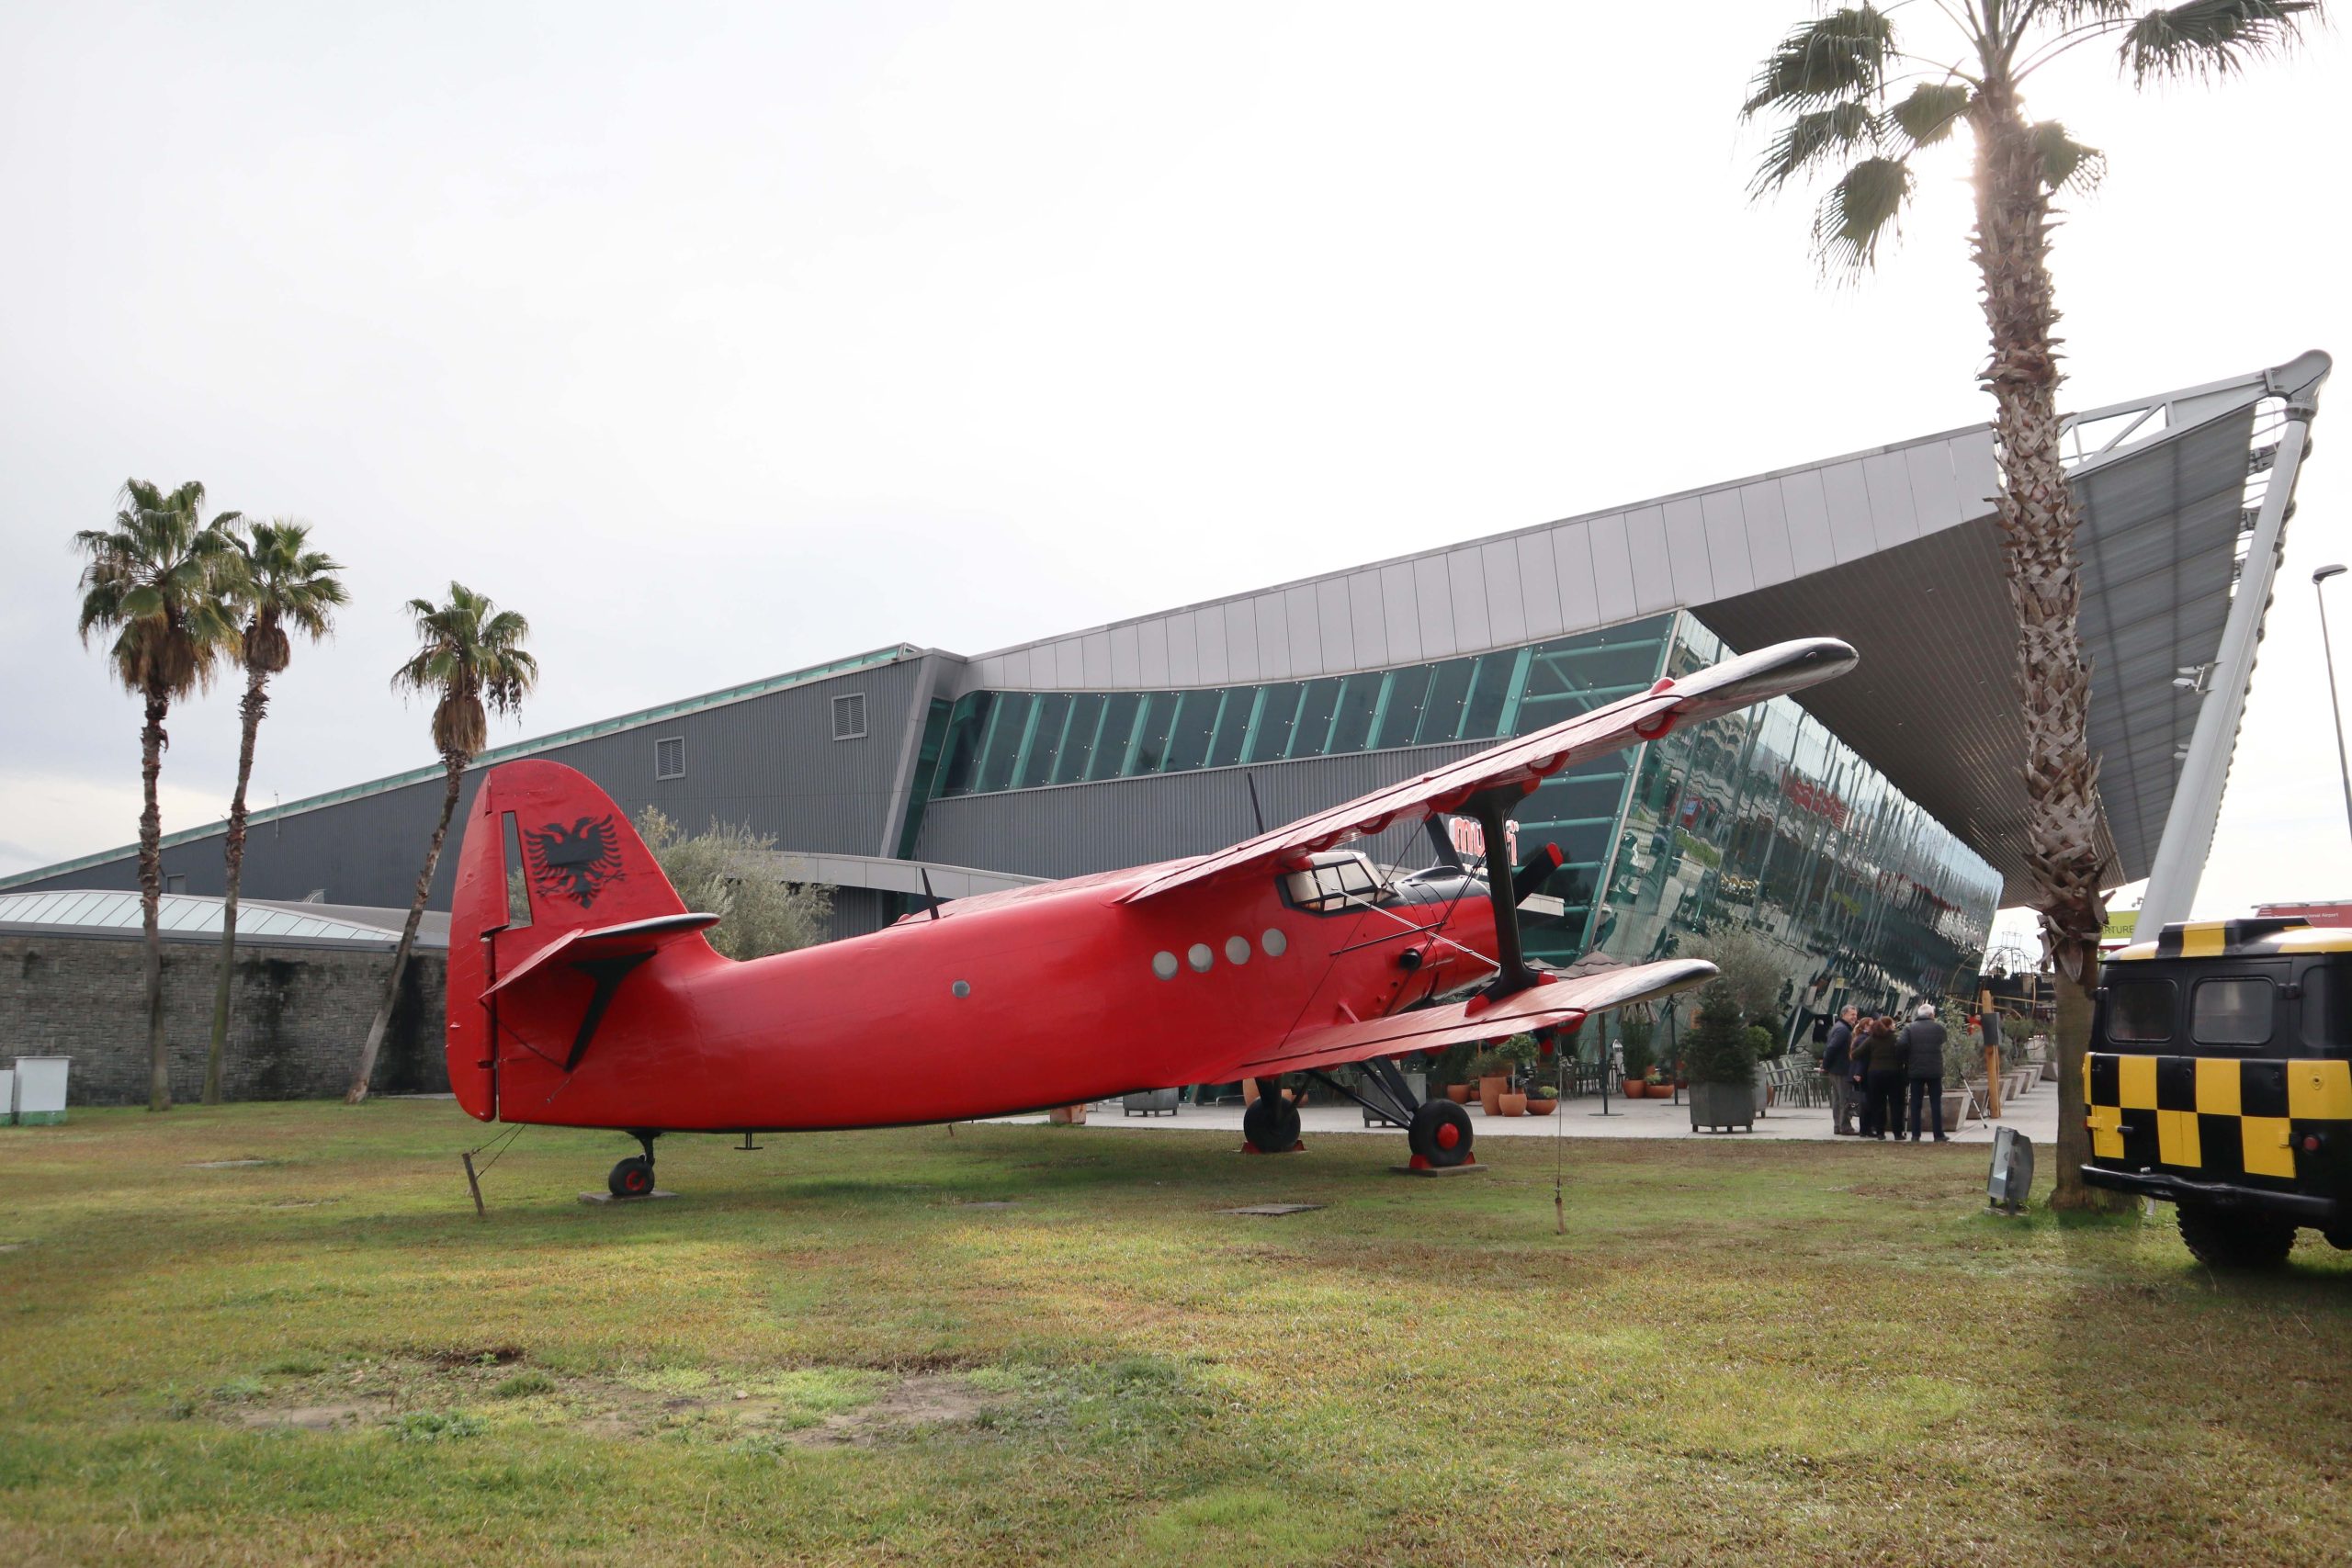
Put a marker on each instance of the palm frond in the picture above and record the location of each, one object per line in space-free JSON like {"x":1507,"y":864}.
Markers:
{"x":2067,"y":163}
{"x":1840,"y":55}
{"x":2208,"y":39}
{"x":1810,"y":137}
{"x":1928,"y":114}
{"x":1861,"y":211}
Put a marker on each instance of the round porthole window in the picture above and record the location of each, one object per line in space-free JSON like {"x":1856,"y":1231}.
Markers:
{"x":960,"y":990}
{"x":1163,"y":965}
{"x":1275,"y":943}
{"x":1199,"y":957}
{"x":1236,"y":949}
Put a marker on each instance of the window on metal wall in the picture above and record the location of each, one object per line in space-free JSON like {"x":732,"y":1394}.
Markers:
{"x":1121,"y":715}
{"x":1151,"y":735}
{"x":1409,"y":690}
{"x":1078,"y":738}
{"x":1312,"y":727}
{"x":1482,"y":711}
{"x":1351,"y":724}
{"x":960,"y":762}
{"x":1044,"y":740}
{"x":1233,"y":726}
{"x":1449,"y":686}
{"x":1002,"y":748}
{"x":1275,"y":717}
{"x":1188,"y":738}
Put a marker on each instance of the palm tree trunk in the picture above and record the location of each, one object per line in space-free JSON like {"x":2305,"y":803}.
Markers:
{"x":2038,"y":518}
{"x":455,"y":767}
{"x":256,"y":702}
{"x":152,"y":742}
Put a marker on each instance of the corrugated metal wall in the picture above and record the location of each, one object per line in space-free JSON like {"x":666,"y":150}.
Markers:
{"x":770,"y":760}
{"x":1077,"y":828}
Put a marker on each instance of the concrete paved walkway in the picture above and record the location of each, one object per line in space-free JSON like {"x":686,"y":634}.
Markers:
{"x":2036,"y":1115}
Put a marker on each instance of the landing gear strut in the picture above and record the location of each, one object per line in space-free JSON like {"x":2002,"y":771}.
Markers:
{"x":633,"y":1178}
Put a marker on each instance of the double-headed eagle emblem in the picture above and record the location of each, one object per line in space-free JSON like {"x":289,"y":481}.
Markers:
{"x":574,"y":863}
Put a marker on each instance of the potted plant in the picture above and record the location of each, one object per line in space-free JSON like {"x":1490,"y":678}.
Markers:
{"x":1720,"y":1060}
{"x":1493,"y":1074}
{"x":1760,"y":1050}
{"x":1633,"y":1048}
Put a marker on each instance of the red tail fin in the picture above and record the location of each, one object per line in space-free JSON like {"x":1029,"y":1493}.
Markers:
{"x":547,"y":869}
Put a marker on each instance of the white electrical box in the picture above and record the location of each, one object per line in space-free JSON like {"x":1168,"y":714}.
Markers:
{"x":8,"y":1096}
{"x":41,"y":1090}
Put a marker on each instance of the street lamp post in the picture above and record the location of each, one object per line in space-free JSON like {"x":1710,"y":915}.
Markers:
{"x":2334,"y":708}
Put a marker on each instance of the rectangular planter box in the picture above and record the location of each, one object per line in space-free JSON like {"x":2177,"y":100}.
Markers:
{"x":41,"y":1090}
{"x":1149,"y":1102}
{"x":1724,"y":1105}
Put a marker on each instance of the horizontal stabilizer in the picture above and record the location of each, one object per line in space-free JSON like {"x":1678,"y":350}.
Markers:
{"x":1556,"y":1004}
{"x":634,"y":938}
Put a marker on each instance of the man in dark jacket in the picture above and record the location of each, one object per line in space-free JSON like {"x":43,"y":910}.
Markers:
{"x":1923,"y":1048}
{"x":1837,"y":1066}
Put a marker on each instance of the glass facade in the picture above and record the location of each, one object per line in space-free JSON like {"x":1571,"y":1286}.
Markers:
{"x":1761,"y":819}
{"x":1765,"y":820}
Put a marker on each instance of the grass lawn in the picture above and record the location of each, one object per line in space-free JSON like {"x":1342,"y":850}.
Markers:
{"x":830,"y":1351}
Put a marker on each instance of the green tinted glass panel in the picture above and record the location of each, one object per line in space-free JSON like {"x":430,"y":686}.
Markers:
{"x":959,"y":763}
{"x":1120,"y":714}
{"x":1151,"y":735}
{"x":1044,"y":740}
{"x":1442,"y":717}
{"x":1188,"y":743}
{"x":1351,"y":726}
{"x":1276,"y":714}
{"x":1003,"y":744}
{"x":1077,"y":738}
{"x":1313,"y":726}
{"x":1482,"y":711}
{"x":1409,"y":689}
{"x":1232,"y":726}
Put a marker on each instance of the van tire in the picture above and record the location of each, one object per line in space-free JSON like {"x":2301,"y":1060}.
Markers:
{"x":2233,"y":1239}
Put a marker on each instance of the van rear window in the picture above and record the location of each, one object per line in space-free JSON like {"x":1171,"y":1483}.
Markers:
{"x":2232,"y":1013}
{"x":2141,"y":1009}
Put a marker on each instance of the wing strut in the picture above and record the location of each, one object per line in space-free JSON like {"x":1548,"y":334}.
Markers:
{"x":1512,"y":973}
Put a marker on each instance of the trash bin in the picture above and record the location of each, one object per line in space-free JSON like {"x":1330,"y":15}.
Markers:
{"x":40,"y":1090}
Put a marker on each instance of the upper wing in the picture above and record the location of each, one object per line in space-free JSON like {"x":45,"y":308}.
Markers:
{"x":1527,"y":761}
{"x":1552,"y":1005}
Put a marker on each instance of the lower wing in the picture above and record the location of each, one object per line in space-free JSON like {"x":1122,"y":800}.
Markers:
{"x":1555,"y":1004}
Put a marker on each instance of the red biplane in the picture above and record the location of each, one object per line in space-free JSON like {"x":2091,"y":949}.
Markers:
{"x":601,"y":1004}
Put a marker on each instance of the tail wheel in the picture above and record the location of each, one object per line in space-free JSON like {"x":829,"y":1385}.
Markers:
{"x":1440,"y":1133}
{"x":2220,"y":1239}
{"x":633,"y":1178}
{"x":1270,"y":1124}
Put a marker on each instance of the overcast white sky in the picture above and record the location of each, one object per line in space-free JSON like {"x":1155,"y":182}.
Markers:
{"x":721,"y":342}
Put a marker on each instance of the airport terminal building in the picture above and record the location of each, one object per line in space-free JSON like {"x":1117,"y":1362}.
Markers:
{"x":1869,"y":826}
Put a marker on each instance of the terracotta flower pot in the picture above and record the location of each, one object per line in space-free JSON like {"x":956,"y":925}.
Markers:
{"x":1458,"y":1092}
{"x":1511,"y":1105}
{"x":1490,"y":1092}
{"x":1542,"y":1107}
{"x":1633,"y":1088}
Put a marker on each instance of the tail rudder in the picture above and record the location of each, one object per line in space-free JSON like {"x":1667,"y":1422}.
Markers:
{"x":547,"y":862}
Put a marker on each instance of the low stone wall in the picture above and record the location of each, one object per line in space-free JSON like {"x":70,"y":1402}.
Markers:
{"x":298,"y":1017}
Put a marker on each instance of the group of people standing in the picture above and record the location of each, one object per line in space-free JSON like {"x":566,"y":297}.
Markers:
{"x":1869,"y":1061}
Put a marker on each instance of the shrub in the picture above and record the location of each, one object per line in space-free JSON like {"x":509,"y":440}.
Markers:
{"x":1718,"y":1048}
{"x":729,"y":872}
{"x":1633,"y":1029}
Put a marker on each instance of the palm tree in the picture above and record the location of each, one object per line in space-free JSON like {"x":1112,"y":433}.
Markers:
{"x":276,"y":584}
{"x":154,"y":581}
{"x":469,"y":660}
{"x":1830,"y":85}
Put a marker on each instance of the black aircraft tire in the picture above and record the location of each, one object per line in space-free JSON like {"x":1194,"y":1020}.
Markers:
{"x":2223,"y":1239}
{"x":1427,"y":1136}
{"x":1270,"y":1124}
{"x":633,"y":1178}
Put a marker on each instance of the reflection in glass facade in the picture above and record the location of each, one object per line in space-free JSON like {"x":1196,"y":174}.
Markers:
{"x":1761,"y":819}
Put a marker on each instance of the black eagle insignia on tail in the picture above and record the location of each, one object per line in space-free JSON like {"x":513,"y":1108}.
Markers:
{"x":574,"y":863}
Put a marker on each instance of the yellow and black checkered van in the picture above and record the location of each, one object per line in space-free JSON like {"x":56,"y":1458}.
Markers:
{"x":2219,"y":1080}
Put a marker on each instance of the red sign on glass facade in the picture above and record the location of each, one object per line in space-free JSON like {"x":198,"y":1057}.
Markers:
{"x":1809,"y":796}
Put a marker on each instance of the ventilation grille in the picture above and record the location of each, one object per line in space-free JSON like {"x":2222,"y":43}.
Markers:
{"x":669,"y":756}
{"x":849,"y":717}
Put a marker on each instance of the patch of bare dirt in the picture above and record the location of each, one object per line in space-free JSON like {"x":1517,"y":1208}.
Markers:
{"x":313,"y":1418}
{"x":927,"y":1399}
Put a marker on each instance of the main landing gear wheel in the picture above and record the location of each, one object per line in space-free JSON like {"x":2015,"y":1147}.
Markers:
{"x":1270,"y":1124}
{"x":633,"y":1178}
{"x":1439,"y":1134}
{"x":2222,"y":1240}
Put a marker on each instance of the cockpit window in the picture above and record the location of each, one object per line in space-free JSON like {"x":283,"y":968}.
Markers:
{"x":1334,"y":882}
